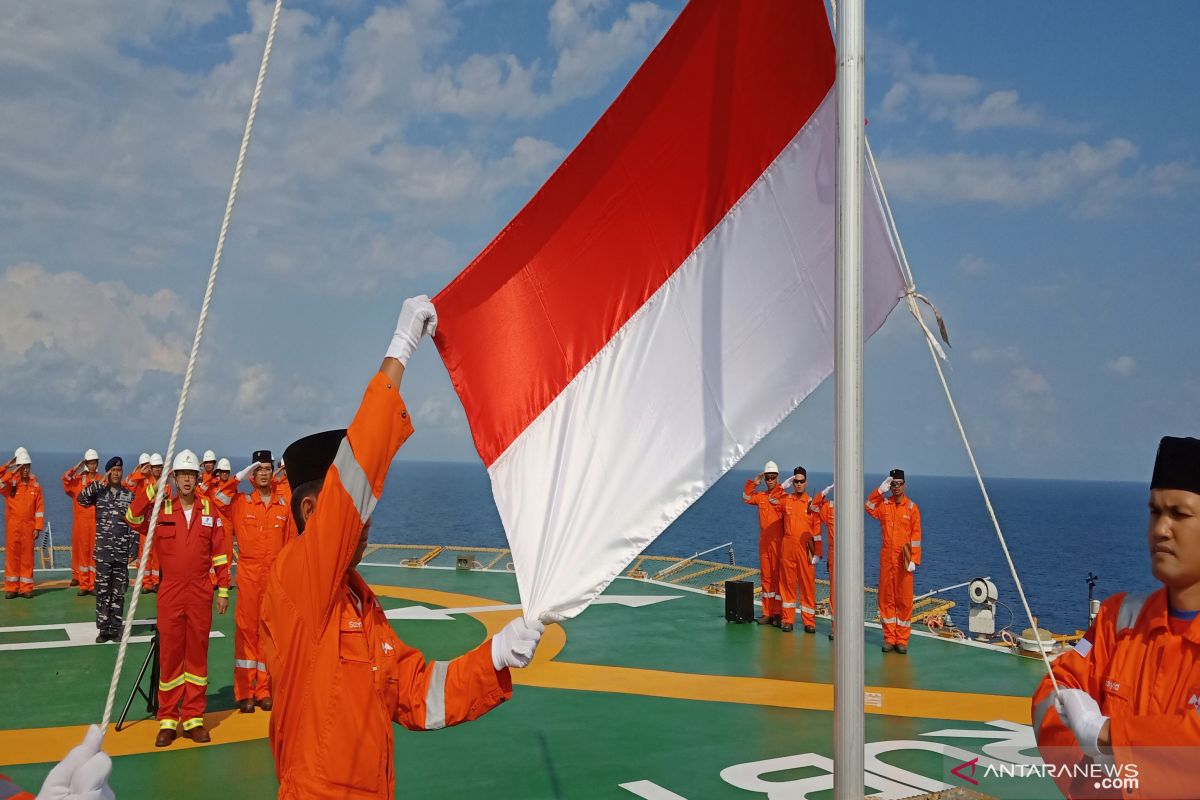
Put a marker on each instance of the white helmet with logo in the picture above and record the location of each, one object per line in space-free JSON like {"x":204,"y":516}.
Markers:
{"x":771,"y":467}
{"x":157,"y":461}
{"x":144,"y":458}
{"x":224,"y":466}
{"x":209,"y":455}
{"x":22,"y":457}
{"x":91,"y":455}
{"x":186,"y":460}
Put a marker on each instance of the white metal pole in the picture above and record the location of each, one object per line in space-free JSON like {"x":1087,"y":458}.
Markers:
{"x":848,"y":758}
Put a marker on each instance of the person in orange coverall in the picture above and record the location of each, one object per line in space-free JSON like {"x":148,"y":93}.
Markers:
{"x":799,"y":552}
{"x":899,"y":556}
{"x":83,"y":528}
{"x":822,"y":506}
{"x":146,"y":473}
{"x":261,"y":523}
{"x":340,"y":675}
{"x":770,"y":538}
{"x":1128,"y":704}
{"x":189,"y":538}
{"x":24,"y":519}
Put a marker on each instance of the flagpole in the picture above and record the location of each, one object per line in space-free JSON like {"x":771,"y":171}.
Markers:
{"x":848,"y":687}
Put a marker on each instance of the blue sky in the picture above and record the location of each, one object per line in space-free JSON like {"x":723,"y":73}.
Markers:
{"x":1041,"y":160}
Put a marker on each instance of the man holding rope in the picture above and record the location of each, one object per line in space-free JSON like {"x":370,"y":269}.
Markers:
{"x":340,"y":676}
{"x":1128,"y":698}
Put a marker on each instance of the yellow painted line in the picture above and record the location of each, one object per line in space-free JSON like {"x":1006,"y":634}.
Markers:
{"x":41,"y":745}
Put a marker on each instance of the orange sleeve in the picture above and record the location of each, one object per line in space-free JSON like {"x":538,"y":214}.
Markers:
{"x":225,"y":492}
{"x":439,"y":694}
{"x":39,"y":509}
{"x":818,"y":542}
{"x":317,"y":562}
{"x":874,"y":500}
{"x":914,"y":538}
{"x":70,"y":483}
{"x":1081,"y":667}
{"x":137,"y":516}
{"x":748,"y":494}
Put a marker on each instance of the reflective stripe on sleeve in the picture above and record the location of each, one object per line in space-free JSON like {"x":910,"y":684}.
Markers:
{"x":354,"y":480}
{"x":915,"y":543}
{"x":1040,"y":711}
{"x":745,"y":496}
{"x":224,"y":498}
{"x":870,"y":506}
{"x":435,"y":697}
{"x":245,"y":663}
{"x":220,"y":560}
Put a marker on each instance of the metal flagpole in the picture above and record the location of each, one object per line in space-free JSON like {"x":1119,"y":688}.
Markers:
{"x":848,"y":758}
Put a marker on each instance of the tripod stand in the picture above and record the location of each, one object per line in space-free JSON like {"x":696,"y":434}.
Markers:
{"x":151,"y":696}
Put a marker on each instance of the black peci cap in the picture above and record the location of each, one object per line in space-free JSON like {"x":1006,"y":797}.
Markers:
{"x":308,"y":459}
{"x":896,"y":474}
{"x":262,"y":457}
{"x":1177,"y":465}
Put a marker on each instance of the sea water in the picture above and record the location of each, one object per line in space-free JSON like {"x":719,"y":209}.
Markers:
{"x":1057,"y":531}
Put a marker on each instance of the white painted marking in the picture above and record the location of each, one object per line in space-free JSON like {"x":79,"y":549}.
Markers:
{"x":79,"y":634}
{"x":650,"y":790}
{"x":426,"y":613}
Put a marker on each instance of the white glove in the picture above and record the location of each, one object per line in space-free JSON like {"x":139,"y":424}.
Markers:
{"x":245,"y":473}
{"x":815,"y":558}
{"x":787,"y":484}
{"x":513,"y":646}
{"x":82,"y":775}
{"x":825,"y":492}
{"x":417,"y":318}
{"x":1081,"y":713}
{"x":886,"y":486}
{"x":912,"y":567}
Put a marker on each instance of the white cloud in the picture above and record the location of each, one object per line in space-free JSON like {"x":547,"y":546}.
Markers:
{"x":973,"y":266}
{"x":993,"y":355}
{"x":1123,"y":366}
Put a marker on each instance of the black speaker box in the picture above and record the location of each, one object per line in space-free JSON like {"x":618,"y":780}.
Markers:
{"x":739,"y":601}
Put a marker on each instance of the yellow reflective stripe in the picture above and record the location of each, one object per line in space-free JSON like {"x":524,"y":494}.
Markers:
{"x":167,"y":506}
{"x":198,"y":680}
{"x":150,"y":490}
{"x":194,"y":722}
{"x":204,"y":505}
{"x":166,"y":686}
{"x":131,"y":519}
{"x":220,"y":560}
{"x":168,"y":724}
{"x":222,"y":591}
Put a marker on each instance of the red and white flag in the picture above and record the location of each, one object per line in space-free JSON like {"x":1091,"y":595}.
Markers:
{"x":664,"y":300}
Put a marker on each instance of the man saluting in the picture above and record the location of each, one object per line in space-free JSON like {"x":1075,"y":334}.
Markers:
{"x":340,"y":675}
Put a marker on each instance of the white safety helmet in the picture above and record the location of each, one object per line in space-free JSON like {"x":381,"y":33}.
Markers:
{"x":224,"y":466}
{"x":771,"y":467}
{"x":144,"y":458}
{"x":185,"y":460}
{"x":90,"y":455}
{"x":157,"y":461}
{"x":209,"y":455}
{"x":22,"y":457}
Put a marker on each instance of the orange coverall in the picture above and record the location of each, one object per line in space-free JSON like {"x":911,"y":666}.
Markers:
{"x":208,"y":486}
{"x":153,"y":575}
{"x":339,"y":673}
{"x":900,"y":524}
{"x":185,"y":550}
{"x":823,"y":508}
{"x":801,"y":540}
{"x":770,"y":539}
{"x":1143,"y":670}
{"x":24,"y":513}
{"x":262,"y":529}
{"x":83,"y":529}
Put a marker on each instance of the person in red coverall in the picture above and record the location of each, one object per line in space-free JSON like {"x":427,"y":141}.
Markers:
{"x":339,"y":674}
{"x":260,"y":521}
{"x":770,"y":538}
{"x":24,"y":519}
{"x":83,"y":528}
{"x":1128,"y":699}
{"x":822,"y":506}
{"x":799,"y":552}
{"x":899,"y":556}
{"x":189,"y":538}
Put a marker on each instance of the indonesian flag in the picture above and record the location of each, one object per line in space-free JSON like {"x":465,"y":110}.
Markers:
{"x":664,"y":300}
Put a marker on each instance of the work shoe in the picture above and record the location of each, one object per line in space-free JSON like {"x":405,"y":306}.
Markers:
{"x":74,"y":582}
{"x":82,"y":592}
{"x":902,"y":649}
{"x":198,"y":734}
{"x":831,"y":637}
{"x":246,"y":706}
{"x":27,"y":595}
{"x":763,"y":620}
{"x":265,"y":704}
{"x":777,"y":620}
{"x":101,"y":638}
{"x":165,"y":737}
{"x":888,"y":647}
{"x":9,"y":595}
{"x":810,"y":628}
{"x":786,"y":627}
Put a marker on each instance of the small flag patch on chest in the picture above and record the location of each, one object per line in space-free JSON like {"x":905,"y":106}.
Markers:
{"x":1083,"y":647}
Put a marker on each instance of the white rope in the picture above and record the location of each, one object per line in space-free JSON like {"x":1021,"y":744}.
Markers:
{"x":187,"y":376}
{"x":934,"y":351}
